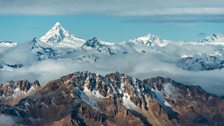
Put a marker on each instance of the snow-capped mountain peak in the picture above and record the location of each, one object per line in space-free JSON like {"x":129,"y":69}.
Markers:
{"x":148,"y":37}
{"x":214,"y":38}
{"x":59,"y":37}
{"x":56,"y":34}
{"x":149,"y":40}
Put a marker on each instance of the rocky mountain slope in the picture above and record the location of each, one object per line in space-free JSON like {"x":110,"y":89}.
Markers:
{"x":13,"y":91}
{"x":84,"y":98}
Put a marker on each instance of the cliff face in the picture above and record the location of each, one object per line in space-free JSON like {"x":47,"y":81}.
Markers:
{"x":12,"y":92}
{"x":85,"y":98}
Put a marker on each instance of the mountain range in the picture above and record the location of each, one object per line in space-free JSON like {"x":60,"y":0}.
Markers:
{"x":37,"y":89}
{"x":58,"y":43}
{"x":85,"y":98}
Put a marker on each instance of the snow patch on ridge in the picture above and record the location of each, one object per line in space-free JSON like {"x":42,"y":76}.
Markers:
{"x":92,"y":93}
{"x":128,"y":103}
{"x":85,"y":98}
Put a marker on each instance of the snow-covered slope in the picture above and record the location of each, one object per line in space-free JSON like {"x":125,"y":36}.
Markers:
{"x":56,"y":43}
{"x":57,"y":36}
{"x":42,"y":50}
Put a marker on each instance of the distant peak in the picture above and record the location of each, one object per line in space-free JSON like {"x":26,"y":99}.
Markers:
{"x":56,"y":34}
{"x":94,"y":39}
{"x":60,"y":37}
{"x":57,"y":24}
{"x":149,"y":40}
{"x":93,"y":43}
{"x":148,"y":37}
{"x":214,"y":38}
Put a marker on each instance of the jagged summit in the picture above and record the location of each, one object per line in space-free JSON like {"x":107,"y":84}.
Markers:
{"x":93,"y":43}
{"x":58,"y":36}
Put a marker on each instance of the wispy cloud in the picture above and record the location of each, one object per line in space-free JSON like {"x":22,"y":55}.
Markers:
{"x":156,"y":10}
{"x":186,"y":18}
{"x":175,"y":11}
{"x":112,"y":7}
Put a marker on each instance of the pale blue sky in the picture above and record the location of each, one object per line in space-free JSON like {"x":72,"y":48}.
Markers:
{"x":115,"y":20}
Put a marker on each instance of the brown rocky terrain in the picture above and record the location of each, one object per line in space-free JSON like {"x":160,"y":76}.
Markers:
{"x":12,"y":92}
{"x":89,"y":99}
